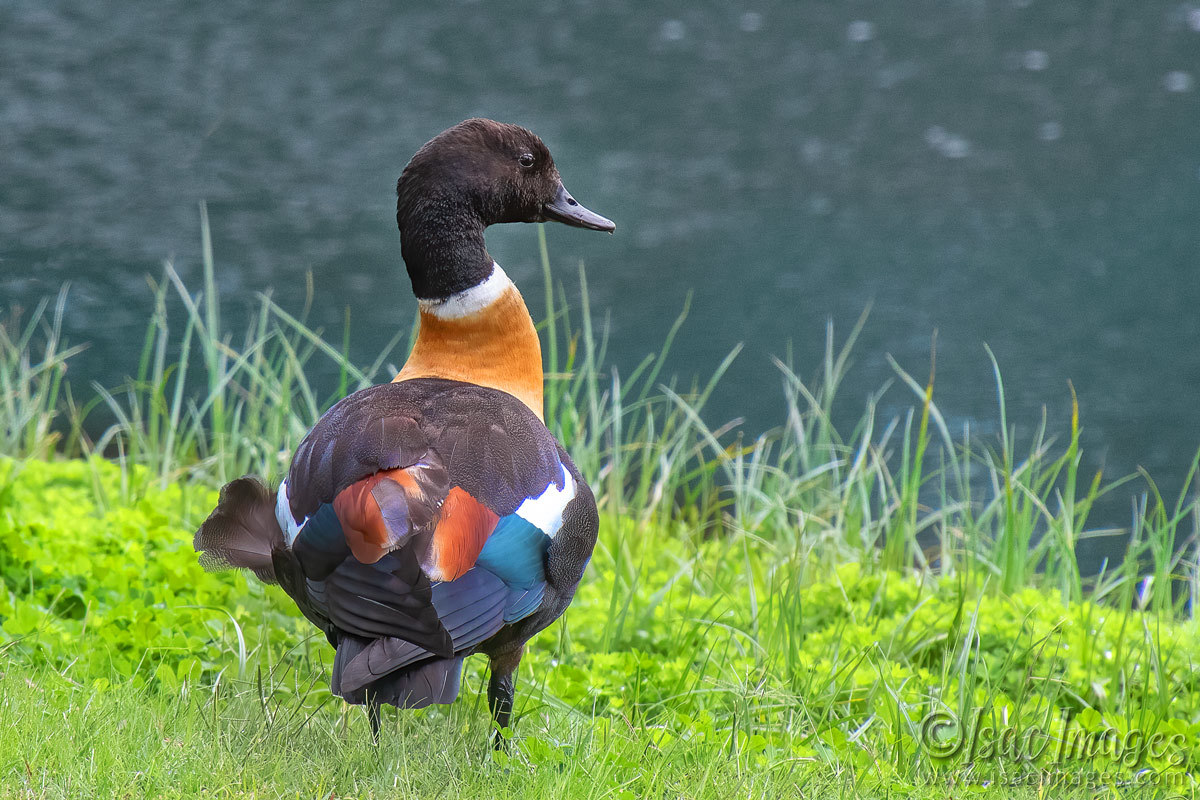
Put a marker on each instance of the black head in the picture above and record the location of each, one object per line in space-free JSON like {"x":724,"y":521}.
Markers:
{"x":476,"y":174}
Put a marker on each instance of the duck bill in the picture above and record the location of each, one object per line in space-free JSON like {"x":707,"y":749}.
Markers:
{"x":567,"y":210}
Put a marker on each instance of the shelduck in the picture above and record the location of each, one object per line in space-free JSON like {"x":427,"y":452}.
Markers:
{"x":434,"y":517}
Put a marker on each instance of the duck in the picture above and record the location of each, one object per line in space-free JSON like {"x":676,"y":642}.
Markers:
{"x":434,"y":517}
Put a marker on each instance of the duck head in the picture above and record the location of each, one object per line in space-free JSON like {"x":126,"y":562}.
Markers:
{"x":478,"y":173}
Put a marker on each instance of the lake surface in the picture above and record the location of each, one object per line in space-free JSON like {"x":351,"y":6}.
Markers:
{"x":1024,"y":174}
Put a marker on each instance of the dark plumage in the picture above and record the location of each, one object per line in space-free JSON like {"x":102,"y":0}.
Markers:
{"x":492,"y":444}
{"x":461,"y":181}
{"x":433,"y":517}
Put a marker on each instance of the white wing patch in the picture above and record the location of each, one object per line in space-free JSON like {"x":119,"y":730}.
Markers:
{"x":283,"y":515}
{"x":545,"y":512}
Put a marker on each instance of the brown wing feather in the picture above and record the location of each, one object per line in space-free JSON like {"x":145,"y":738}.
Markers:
{"x":491,"y":444}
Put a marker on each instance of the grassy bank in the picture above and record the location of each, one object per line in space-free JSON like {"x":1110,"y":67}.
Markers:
{"x":828,"y":611}
{"x":688,"y":665}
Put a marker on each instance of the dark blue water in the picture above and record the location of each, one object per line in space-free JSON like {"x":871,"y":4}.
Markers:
{"x":1022,"y":173}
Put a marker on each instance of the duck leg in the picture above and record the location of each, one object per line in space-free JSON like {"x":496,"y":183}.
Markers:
{"x":501,"y":690}
{"x":373,"y":716}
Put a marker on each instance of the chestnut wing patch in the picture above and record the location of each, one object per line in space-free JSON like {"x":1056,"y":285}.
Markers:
{"x":463,"y":528}
{"x":383,"y":511}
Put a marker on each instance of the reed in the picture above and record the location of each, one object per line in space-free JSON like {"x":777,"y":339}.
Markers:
{"x":898,"y":494}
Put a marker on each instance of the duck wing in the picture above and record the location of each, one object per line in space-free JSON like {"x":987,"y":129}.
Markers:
{"x":417,"y":516}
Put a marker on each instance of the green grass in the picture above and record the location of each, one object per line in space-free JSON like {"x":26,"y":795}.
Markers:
{"x":761,"y":618}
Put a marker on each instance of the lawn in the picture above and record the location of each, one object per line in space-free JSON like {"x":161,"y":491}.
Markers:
{"x":888,"y":610}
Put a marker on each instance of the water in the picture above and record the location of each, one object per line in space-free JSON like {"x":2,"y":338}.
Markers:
{"x":1023,"y":173}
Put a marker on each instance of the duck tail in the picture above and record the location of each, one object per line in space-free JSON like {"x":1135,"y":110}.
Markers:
{"x":434,"y":680}
{"x":242,"y":530}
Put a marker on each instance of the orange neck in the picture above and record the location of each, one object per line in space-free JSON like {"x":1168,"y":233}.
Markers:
{"x":495,"y":346}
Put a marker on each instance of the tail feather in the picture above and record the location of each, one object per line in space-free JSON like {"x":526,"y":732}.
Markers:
{"x":242,"y":530}
{"x":435,"y":680}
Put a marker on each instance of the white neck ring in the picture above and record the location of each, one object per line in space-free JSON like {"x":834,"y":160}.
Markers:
{"x":469,"y":301}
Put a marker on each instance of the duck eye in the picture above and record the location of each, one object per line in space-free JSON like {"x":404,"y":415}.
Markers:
{"x":526,"y":160}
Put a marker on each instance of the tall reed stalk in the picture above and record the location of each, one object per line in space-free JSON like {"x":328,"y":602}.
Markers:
{"x":898,"y":494}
